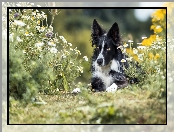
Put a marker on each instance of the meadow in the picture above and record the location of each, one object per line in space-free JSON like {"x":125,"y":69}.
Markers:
{"x":44,"y":66}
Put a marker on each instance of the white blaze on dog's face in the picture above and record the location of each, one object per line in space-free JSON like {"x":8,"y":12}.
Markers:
{"x":105,"y":51}
{"x":106,"y":43}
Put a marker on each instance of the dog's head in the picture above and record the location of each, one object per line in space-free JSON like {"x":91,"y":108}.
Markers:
{"x":105,"y":43}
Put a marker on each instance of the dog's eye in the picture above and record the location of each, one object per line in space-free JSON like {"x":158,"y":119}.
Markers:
{"x":97,"y":48}
{"x":108,"y":49}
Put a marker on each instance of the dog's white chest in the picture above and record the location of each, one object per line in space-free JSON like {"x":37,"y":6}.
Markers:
{"x":103,"y":72}
{"x":106,"y":78}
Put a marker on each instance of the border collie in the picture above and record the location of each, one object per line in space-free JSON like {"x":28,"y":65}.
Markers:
{"x":107,"y":67}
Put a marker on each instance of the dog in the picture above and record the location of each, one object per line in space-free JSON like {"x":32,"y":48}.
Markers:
{"x":107,"y":65}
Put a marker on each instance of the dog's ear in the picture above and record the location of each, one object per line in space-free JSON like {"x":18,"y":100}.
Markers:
{"x":113,"y":33}
{"x":97,"y":31}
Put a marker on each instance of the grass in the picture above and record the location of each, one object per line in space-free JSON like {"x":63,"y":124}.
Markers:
{"x":131,"y":105}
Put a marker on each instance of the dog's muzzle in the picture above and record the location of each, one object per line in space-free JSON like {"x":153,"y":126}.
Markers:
{"x":100,"y":61}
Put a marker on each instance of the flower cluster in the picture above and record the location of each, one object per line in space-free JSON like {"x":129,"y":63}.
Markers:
{"x":58,"y":60}
{"x":151,"y":52}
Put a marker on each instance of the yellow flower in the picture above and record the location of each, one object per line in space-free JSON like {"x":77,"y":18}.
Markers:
{"x":131,"y":53}
{"x":27,"y":33}
{"x":38,"y":22}
{"x":135,"y":57}
{"x":158,"y":29}
{"x":156,"y":56}
{"x":151,"y":56}
{"x":149,"y":41}
{"x":159,"y":14}
{"x":146,"y":42}
{"x":32,"y":18}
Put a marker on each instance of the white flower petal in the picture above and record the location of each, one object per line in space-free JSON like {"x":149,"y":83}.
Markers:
{"x":53,"y":50}
{"x":20,"y":23}
{"x":86,"y":58}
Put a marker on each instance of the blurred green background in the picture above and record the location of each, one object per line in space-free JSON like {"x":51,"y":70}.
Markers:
{"x":75,"y":26}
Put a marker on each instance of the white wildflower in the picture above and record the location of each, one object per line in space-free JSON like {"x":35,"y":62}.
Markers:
{"x":24,"y":51}
{"x":140,"y":57}
{"x":39,"y":44}
{"x":63,"y":39}
{"x":19,"y":23}
{"x":124,"y":50}
{"x":11,"y":36}
{"x":19,"y":39}
{"x":158,"y":27}
{"x":162,"y":89}
{"x":66,"y":53}
{"x":120,"y":47}
{"x":42,"y":29}
{"x":39,"y":15}
{"x":53,"y":50}
{"x":34,"y":13}
{"x":26,"y":34}
{"x":144,"y":37}
{"x":141,"y":47}
{"x":158,"y":70}
{"x":125,"y":45}
{"x":163,"y":77}
{"x":51,"y":43}
{"x":37,"y":27}
{"x":86,"y":58}
{"x":129,"y":59}
{"x":28,"y":27}
{"x":71,"y":62}
{"x":80,"y":69}
{"x":130,"y":41}
{"x":51,"y":28}
{"x":63,"y":56}
{"x":77,"y":51}
{"x":70,"y":44}
{"x":123,"y":60}
{"x":135,"y":51}
{"x":31,"y":34}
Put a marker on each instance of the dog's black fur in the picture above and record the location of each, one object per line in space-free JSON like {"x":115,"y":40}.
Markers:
{"x":107,"y":67}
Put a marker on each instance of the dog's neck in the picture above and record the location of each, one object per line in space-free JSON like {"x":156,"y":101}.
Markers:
{"x":113,"y":65}
{"x":106,"y":69}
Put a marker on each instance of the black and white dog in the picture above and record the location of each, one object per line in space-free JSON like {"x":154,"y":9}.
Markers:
{"x":107,"y":67}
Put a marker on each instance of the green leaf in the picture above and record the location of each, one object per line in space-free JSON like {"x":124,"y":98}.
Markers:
{"x":65,"y":83}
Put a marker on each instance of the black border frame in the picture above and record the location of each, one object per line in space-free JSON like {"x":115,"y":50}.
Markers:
{"x":76,"y":8}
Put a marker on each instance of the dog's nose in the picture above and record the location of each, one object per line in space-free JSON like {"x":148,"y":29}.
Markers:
{"x":100,"y":61}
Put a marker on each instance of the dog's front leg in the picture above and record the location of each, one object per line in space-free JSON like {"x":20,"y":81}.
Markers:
{"x":119,"y":78}
{"x":97,"y":84}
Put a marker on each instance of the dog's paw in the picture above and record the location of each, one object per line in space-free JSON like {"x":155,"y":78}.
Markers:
{"x":112,"y":88}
